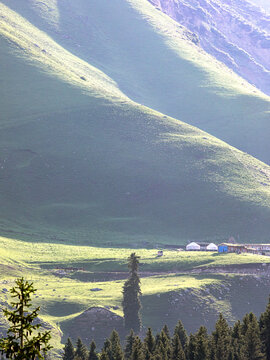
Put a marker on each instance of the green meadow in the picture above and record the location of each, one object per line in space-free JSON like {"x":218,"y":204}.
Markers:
{"x":36,"y":255}
{"x":65,"y":274}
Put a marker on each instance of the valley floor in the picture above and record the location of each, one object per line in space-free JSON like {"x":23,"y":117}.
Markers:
{"x":76,"y":282}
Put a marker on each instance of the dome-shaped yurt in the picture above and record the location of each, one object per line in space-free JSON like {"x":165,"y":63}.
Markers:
{"x":212,"y":247}
{"x":193,"y":247}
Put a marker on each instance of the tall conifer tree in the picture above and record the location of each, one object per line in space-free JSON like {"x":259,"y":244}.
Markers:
{"x":252,"y":341}
{"x":137,"y":351}
{"x":191,"y":347}
{"x":161,"y":350}
{"x":177,"y":349}
{"x":165,"y":340}
{"x":20,"y":342}
{"x":149,"y":344}
{"x":202,"y":351}
{"x":81,"y":350}
{"x":129,"y":344}
{"x":166,"y":331}
{"x":131,"y":296}
{"x":92,"y":352}
{"x":69,"y":352}
{"x":265,"y":330}
{"x":237,"y":349}
{"x":181,"y":332}
{"x":107,"y":349}
{"x":117,"y":352}
{"x":221,"y":337}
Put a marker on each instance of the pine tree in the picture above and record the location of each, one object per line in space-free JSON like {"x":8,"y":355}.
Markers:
{"x":165,"y":340}
{"x":104,"y":355}
{"x":157,"y":338}
{"x":92,"y":352}
{"x":131,"y":296}
{"x":191,"y":347}
{"x":129,"y":344}
{"x":117,"y":352}
{"x":177,"y":349}
{"x":149,"y":344}
{"x":221,"y":337}
{"x":20,"y":344}
{"x":81,"y":350}
{"x":181,"y":332}
{"x":265,"y":330}
{"x":161,"y":350}
{"x":69,"y":352}
{"x":252,"y":341}
{"x":237,"y":349}
{"x":137,"y":351}
{"x":166,"y":331}
{"x":107,"y":349}
{"x":202,"y":344}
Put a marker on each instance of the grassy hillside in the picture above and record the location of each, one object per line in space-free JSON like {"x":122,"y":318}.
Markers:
{"x":64,"y":276}
{"x":155,"y":62}
{"x":82,"y":163}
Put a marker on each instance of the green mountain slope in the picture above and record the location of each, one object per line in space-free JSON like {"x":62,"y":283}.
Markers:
{"x":80,"y":162}
{"x":156,"y":63}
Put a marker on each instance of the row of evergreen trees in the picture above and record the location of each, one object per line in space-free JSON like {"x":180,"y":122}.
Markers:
{"x":248,"y":339}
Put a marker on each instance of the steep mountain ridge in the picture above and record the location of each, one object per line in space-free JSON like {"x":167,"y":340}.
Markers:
{"x":155,"y":62}
{"x":235,"y":32}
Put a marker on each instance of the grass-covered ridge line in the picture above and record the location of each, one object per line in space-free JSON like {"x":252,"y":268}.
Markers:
{"x":148,"y":55}
{"x":37,"y":47}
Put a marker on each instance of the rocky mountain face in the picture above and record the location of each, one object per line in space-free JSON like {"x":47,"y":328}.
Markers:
{"x":265,"y":4}
{"x":235,"y":32}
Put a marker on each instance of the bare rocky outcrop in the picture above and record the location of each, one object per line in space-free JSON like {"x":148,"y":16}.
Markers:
{"x":236,"y":32}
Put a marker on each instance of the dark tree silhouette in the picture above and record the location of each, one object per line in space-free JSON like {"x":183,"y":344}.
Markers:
{"x":69,"y":352}
{"x":92,"y":352}
{"x":131,"y":296}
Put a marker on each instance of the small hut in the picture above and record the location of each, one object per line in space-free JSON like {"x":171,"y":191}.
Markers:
{"x":193,"y":247}
{"x":212,"y":247}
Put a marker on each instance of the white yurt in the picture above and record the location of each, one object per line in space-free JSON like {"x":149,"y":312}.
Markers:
{"x":193,"y":246}
{"x":212,"y":247}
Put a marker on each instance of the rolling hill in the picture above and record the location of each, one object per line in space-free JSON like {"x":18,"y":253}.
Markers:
{"x":156,"y":62}
{"x":82,"y":163}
